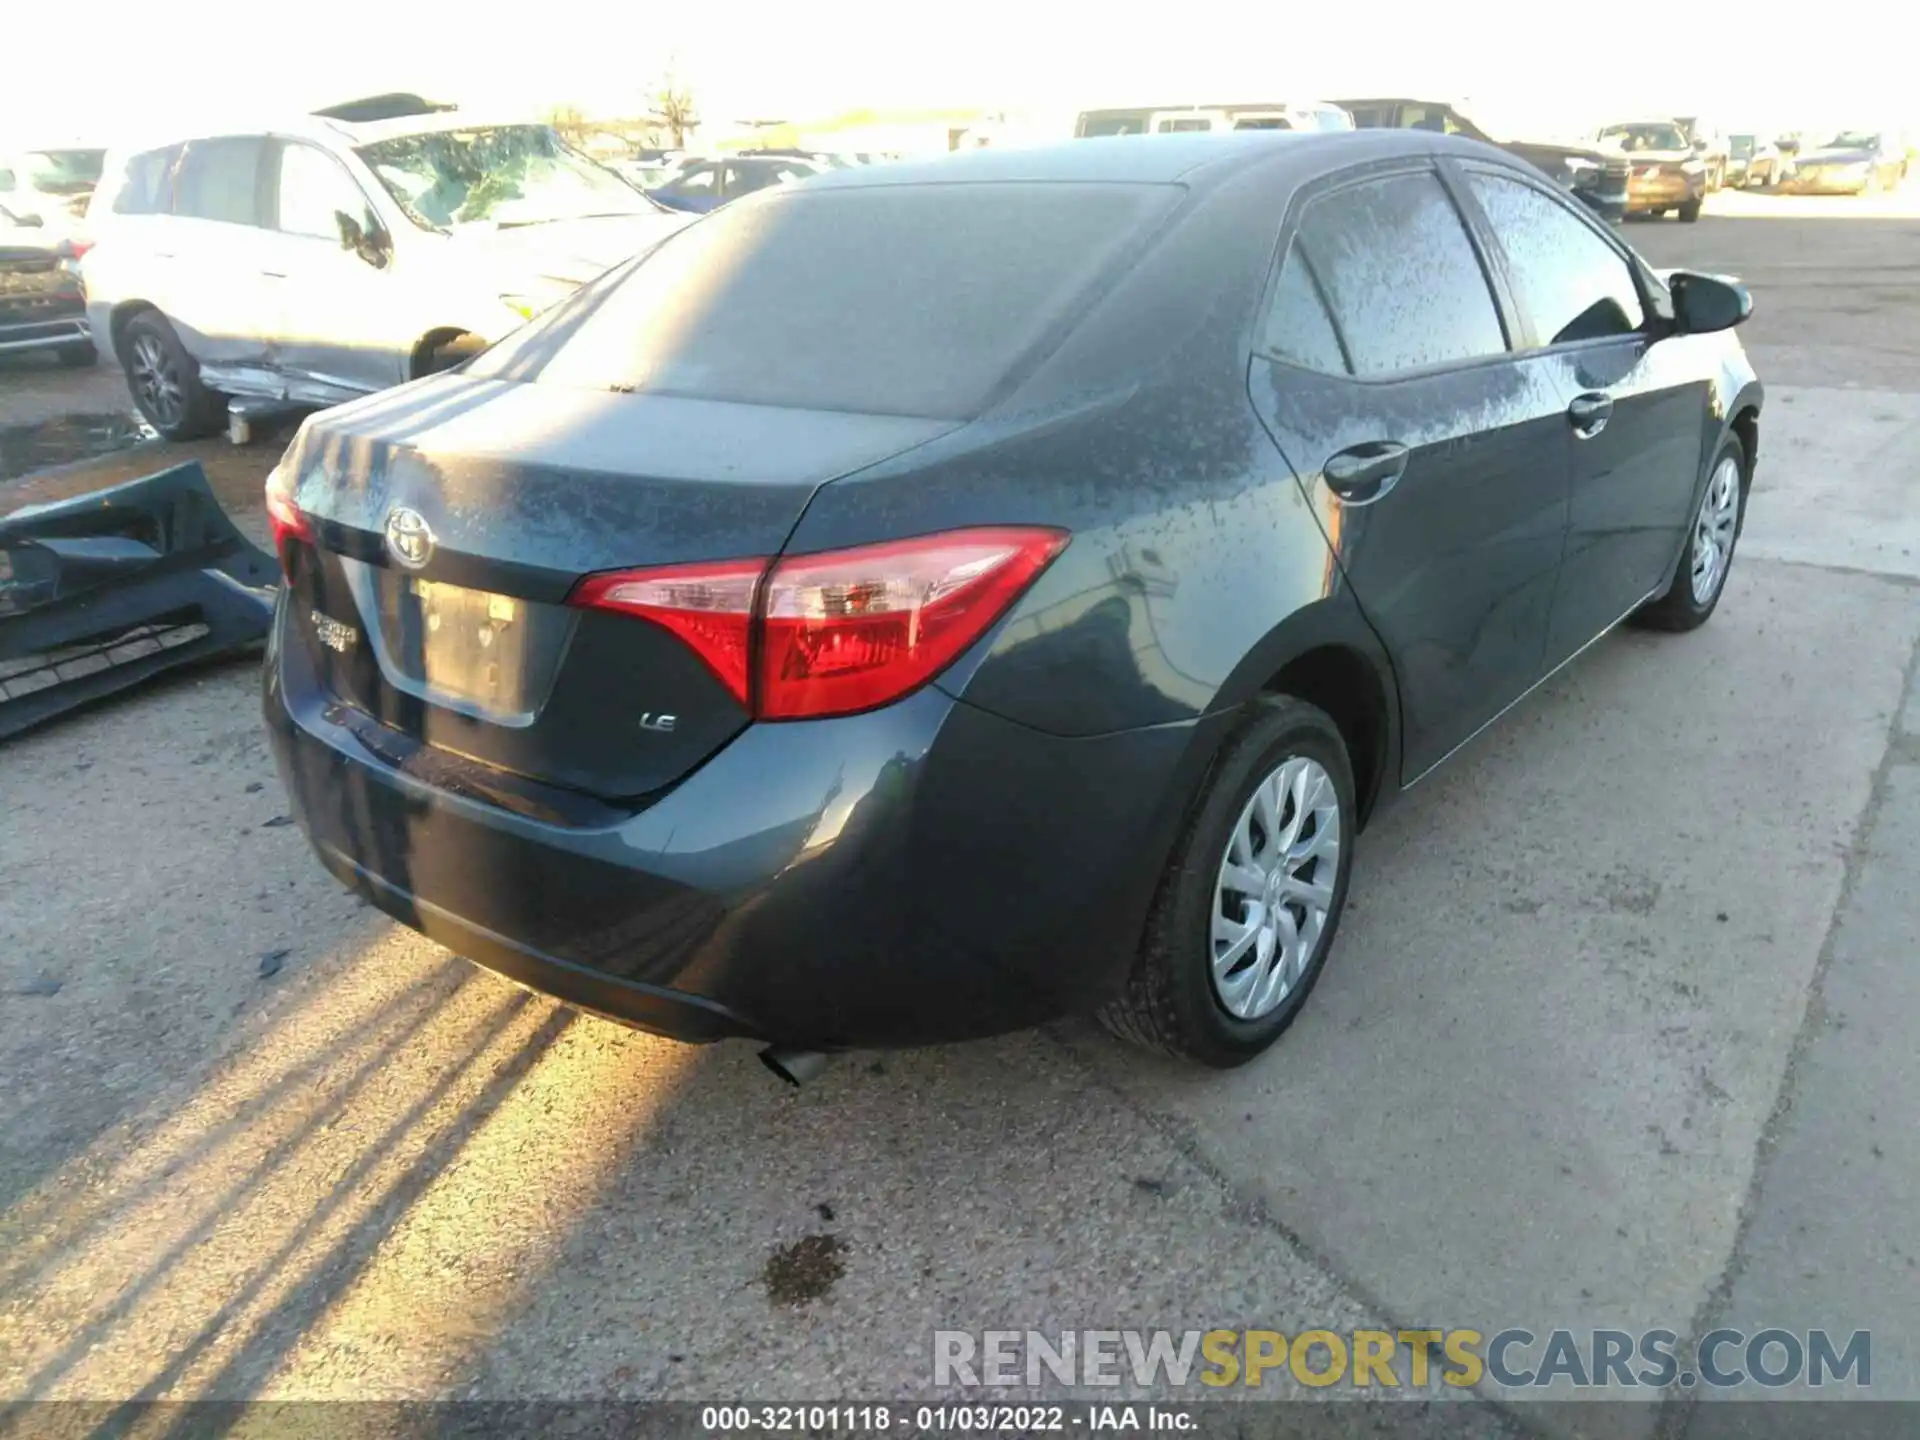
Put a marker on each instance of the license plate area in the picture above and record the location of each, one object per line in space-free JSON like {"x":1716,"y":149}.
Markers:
{"x":484,"y":654}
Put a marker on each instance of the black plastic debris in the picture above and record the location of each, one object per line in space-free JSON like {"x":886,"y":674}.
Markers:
{"x":105,"y":590}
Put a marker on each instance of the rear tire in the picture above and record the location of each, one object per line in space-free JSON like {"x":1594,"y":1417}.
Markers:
{"x":1173,"y":1001}
{"x":1690,"y":212}
{"x":78,"y":356}
{"x":165,"y":380}
{"x":1683,"y":605}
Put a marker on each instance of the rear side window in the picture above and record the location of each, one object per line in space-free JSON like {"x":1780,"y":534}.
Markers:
{"x":146,"y":183}
{"x":1402,"y":278}
{"x":219,"y":180}
{"x":1299,"y":328}
{"x":1573,"y":284}
{"x":885,"y":299}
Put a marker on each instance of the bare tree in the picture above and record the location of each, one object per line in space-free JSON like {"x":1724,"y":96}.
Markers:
{"x":570,"y":122}
{"x":670,"y":106}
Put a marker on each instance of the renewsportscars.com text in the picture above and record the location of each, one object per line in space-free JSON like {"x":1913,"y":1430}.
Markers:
{"x":1401,"y":1359}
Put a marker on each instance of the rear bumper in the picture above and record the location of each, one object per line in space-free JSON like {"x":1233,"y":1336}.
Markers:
{"x":915,"y":875}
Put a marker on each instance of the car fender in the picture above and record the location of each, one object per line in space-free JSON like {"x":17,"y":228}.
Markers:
{"x":1334,"y":623}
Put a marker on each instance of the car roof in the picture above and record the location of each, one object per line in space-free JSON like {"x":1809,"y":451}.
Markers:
{"x":328,"y":131}
{"x":1189,"y":159}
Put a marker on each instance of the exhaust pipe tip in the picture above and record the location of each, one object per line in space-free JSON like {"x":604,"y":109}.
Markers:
{"x":796,"y":1067}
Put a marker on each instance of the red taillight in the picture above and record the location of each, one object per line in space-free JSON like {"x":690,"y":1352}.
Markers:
{"x":286,"y":520}
{"x":851,"y":630}
{"x":840,"y":631}
{"x":710,"y":607}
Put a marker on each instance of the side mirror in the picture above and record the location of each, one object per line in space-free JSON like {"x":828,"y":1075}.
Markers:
{"x":372,"y":246}
{"x":1700,"y":146}
{"x":30,"y":221}
{"x":1703,"y":304}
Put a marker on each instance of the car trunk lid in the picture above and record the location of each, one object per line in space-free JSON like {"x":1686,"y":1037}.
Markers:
{"x":452,"y":518}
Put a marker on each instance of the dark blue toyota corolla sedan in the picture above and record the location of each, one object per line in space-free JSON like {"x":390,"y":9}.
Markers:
{"x":936,"y":598}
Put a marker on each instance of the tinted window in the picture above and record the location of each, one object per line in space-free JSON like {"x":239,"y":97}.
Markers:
{"x":218,"y":180}
{"x":144,"y":190}
{"x":695,"y":180}
{"x":904,"y":300}
{"x":1298,"y":327}
{"x":1403,"y":279}
{"x":1574,"y":284}
{"x":314,"y":191}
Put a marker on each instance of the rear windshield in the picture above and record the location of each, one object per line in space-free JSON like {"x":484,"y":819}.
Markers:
{"x":891,"y":300}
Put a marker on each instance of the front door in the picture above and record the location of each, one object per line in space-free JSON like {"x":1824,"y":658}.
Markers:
{"x":1436,"y":459}
{"x":341,"y":328}
{"x":1636,"y":408}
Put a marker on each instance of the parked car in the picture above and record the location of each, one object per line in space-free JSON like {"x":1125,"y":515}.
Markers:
{"x":846,"y":662}
{"x":1854,"y":162}
{"x":1768,"y":165}
{"x":1596,"y":178}
{"x":322,"y":259}
{"x":708,"y":184}
{"x":1714,"y":149}
{"x":42,"y":303}
{"x":1208,"y":119}
{"x":1668,"y":173}
{"x":1740,"y":153}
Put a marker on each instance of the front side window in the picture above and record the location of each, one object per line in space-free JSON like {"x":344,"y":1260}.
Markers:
{"x":314,"y":192}
{"x":499,"y":175}
{"x":219,"y":180}
{"x":1574,"y":284}
{"x":1401,"y":276}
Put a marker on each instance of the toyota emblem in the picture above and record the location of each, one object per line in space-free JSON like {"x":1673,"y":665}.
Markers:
{"x":409,"y":537}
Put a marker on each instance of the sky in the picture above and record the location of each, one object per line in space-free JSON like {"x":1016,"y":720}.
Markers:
{"x":148,"y":66}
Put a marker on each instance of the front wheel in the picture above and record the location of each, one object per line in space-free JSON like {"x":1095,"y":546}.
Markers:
{"x":1700,"y":575}
{"x":1251,"y":898}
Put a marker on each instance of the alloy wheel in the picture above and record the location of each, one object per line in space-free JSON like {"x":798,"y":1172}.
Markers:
{"x":1274,"y":889}
{"x":1713,"y":530}
{"x":157,"y":382}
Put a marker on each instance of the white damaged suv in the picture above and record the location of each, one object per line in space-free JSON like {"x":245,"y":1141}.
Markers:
{"x":310,"y":263}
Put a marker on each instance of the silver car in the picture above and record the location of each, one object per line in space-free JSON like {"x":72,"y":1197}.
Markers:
{"x":311,"y":263}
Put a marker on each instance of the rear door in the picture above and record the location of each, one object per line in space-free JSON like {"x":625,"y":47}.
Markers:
{"x":341,"y":326}
{"x":1436,"y":459}
{"x":216,"y":294}
{"x":1636,"y":410}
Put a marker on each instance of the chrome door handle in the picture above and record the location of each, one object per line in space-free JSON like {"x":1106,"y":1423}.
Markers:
{"x":1361,"y":474}
{"x":1589,"y":414}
